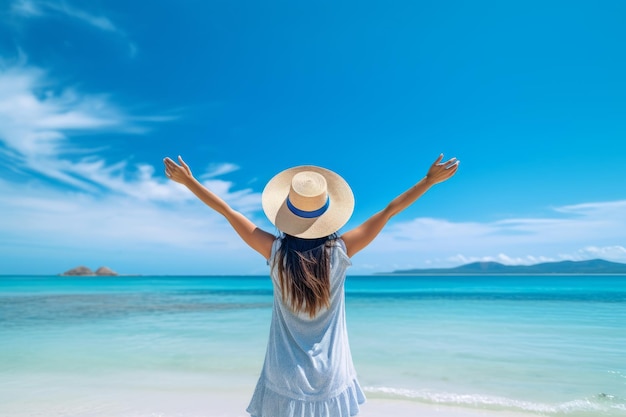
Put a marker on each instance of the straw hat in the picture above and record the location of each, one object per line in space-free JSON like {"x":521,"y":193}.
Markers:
{"x":308,"y":201}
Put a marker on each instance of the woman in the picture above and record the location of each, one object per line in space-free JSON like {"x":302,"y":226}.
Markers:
{"x":308,"y":369}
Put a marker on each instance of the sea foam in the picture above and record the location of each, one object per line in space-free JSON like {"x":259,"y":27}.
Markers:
{"x":602,"y":403}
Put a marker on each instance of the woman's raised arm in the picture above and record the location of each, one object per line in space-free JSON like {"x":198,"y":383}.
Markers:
{"x":361,"y":236}
{"x":256,"y":238}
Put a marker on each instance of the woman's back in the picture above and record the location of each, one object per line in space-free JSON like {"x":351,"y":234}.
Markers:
{"x":308,"y":369}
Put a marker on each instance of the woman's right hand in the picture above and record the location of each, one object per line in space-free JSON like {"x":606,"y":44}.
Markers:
{"x":441,"y":171}
{"x":178,"y":173}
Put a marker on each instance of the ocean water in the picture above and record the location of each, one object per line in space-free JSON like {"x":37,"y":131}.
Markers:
{"x":175,"y":346}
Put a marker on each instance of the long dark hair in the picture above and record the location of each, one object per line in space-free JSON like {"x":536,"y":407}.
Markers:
{"x":304,"y":272}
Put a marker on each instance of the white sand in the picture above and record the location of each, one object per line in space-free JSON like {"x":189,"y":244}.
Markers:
{"x":233,"y":403}
{"x":184,"y":397}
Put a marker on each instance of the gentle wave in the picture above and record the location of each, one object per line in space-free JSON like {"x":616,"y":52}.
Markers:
{"x":602,"y":403}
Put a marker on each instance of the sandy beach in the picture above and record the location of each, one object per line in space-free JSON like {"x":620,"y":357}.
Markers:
{"x":173,"y":396}
{"x":229,"y":405}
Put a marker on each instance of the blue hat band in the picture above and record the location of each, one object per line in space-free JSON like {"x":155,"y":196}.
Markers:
{"x":308,"y":214}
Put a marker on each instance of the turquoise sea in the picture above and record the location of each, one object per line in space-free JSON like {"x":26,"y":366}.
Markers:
{"x":176,"y":346}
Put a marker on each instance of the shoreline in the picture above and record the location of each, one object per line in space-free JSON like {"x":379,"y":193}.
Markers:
{"x":145,"y":400}
{"x":379,"y":407}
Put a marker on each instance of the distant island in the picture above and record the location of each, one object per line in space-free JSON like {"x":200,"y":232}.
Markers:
{"x":84,"y":271}
{"x":594,"y":266}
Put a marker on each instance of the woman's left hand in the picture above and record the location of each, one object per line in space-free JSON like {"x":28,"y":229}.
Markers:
{"x":178,"y":173}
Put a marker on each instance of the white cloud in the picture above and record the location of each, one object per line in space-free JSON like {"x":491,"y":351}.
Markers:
{"x":144,"y":185}
{"x":575,"y":232}
{"x":43,"y":8}
{"x":38,"y":119}
{"x":39,"y":8}
{"x":35,"y":119}
{"x":615,"y":252}
{"x":139,"y":212}
{"x":503,"y":258}
{"x":106,"y":209}
{"x":182,"y":236}
{"x":217,"y":170}
{"x":64,"y":216}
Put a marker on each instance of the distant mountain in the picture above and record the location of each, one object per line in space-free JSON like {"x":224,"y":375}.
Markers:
{"x":594,"y":266}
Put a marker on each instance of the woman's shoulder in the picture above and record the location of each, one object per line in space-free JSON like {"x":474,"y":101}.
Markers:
{"x":338,"y":241}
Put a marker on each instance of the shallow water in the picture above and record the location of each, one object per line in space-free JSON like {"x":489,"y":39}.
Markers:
{"x":92,"y":346}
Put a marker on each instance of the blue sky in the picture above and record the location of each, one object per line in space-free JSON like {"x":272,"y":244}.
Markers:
{"x":530,"y":96}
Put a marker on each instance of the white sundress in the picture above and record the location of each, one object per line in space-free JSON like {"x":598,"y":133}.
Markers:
{"x":308,"y":369}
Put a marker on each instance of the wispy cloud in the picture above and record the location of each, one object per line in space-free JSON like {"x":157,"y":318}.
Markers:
{"x":38,"y":8}
{"x":64,"y":228}
{"x":37,"y":118}
{"x":217,"y":170}
{"x":48,"y":8}
{"x":103,"y":206}
{"x":40,"y":128}
{"x":62,"y":217}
